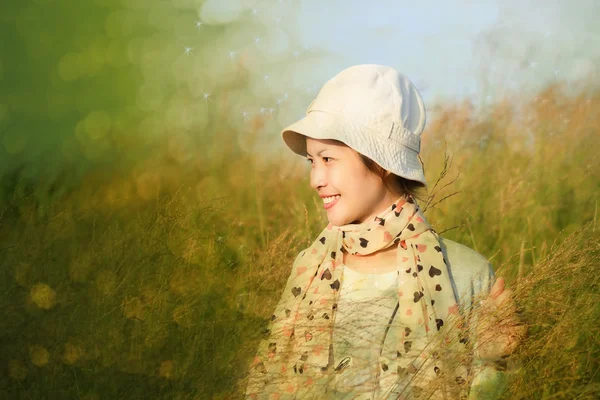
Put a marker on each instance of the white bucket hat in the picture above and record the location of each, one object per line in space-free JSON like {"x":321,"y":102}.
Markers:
{"x":373,"y":109}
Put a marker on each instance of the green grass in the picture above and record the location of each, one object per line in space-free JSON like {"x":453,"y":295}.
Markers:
{"x":155,"y":282}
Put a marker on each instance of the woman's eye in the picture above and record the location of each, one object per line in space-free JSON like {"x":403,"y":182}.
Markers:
{"x":310,"y":160}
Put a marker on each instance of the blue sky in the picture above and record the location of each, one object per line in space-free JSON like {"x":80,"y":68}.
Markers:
{"x":446,"y":47}
{"x":451,"y":50}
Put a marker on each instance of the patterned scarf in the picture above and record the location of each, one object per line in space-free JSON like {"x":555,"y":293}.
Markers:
{"x":296,"y":357}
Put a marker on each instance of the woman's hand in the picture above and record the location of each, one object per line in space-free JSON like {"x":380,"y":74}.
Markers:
{"x":499,"y":330}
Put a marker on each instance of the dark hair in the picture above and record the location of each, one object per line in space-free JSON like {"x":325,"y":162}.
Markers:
{"x":406,"y":186}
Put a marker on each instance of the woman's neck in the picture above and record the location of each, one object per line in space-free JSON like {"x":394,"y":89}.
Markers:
{"x":380,"y":262}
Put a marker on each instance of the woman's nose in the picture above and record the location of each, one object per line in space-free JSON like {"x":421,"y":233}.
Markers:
{"x":317,"y":178}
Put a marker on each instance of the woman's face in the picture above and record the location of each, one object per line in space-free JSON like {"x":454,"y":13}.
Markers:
{"x":337,"y":169}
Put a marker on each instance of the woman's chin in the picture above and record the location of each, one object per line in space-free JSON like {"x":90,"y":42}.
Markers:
{"x":334,"y":221}
{"x":339,"y":222}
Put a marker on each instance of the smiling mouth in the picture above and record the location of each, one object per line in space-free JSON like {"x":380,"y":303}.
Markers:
{"x":329,"y":202}
{"x":331,"y":199}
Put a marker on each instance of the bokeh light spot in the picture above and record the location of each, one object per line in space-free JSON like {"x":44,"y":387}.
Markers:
{"x":166,"y":369}
{"x":17,"y":370}
{"x":147,"y":185}
{"x":43,"y":296}
{"x":39,"y":355}
{"x":133,"y":308}
{"x":72,"y":353}
{"x":97,"y":124}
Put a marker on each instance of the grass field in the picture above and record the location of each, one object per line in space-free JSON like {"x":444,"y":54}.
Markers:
{"x":154,"y":282}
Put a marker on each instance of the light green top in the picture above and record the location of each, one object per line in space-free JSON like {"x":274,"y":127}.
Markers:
{"x":473,"y":277}
{"x":368,"y":299}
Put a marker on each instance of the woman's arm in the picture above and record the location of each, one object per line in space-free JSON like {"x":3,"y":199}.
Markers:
{"x":491,"y":317}
{"x":496,"y":333}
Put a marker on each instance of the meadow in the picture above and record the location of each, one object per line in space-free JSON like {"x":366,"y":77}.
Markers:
{"x":155,"y":281}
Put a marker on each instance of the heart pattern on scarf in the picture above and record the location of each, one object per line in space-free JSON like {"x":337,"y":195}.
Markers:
{"x":301,"y":366}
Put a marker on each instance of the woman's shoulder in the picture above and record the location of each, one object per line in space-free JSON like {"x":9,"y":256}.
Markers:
{"x":466,"y":256}
{"x":471,"y":271}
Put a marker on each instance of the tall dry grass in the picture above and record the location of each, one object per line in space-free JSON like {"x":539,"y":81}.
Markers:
{"x":560,"y":302}
{"x":156,"y":282}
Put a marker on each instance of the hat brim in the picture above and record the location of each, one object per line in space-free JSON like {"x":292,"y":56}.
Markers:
{"x":324,"y":125}
{"x":316,"y":125}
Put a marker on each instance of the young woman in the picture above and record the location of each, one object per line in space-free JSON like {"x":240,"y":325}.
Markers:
{"x":379,"y":306}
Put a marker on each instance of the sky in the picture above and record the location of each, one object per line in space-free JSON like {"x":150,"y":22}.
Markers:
{"x":451,"y":50}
